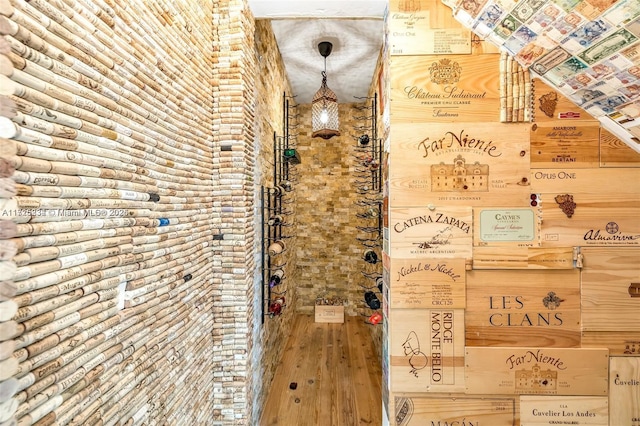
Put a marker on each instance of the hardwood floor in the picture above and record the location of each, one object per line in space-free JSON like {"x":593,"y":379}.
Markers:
{"x":337,"y":373}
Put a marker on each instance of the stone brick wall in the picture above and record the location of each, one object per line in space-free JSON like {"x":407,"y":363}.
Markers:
{"x":272,"y":85}
{"x":329,"y":257}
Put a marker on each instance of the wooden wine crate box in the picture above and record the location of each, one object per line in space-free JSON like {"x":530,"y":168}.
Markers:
{"x":616,"y":184}
{"x":536,"y":371}
{"x":529,"y":307}
{"x":330,"y":313}
{"x":618,"y":342}
{"x":427,"y":283}
{"x":624,"y":390}
{"x":575,"y":410}
{"x":566,"y":145}
{"x":594,"y":220}
{"x":421,"y":410}
{"x":523,"y":257}
{"x":616,"y":153}
{"x":551,"y":106}
{"x":510,"y":239}
{"x":445,"y":88}
{"x":460,"y":164}
{"x":436,"y":233}
{"x":427,"y":350}
{"x":611,"y":289}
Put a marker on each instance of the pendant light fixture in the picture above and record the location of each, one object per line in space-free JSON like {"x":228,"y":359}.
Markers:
{"x":324,"y":107}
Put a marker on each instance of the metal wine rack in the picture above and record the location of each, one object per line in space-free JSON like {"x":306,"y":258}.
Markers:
{"x":368,"y":185}
{"x":278,"y":217}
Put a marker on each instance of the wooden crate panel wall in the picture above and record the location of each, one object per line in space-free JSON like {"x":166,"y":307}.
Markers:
{"x":552,"y":106}
{"x":596,"y":181}
{"x":618,"y":342}
{"x":518,"y":308}
{"x":574,"y":410}
{"x":427,"y":283}
{"x":434,"y":12}
{"x":420,"y":411}
{"x":611,"y":289}
{"x":427,"y":28}
{"x":536,"y":371}
{"x":512,"y":228}
{"x":427,"y":350}
{"x":431,"y":232}
{"x":523,"y":257}
{"x":463,"y":164}
{"x":615,"y":153}
{"x":565,"y":144}
{"x":445,"y":88}
{"x":624,"y":390}
{"x":589,"y":220}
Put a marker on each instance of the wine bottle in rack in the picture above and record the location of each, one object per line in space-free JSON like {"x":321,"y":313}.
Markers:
{"x":370,"y":256}
{"x":372,"y":300}
{"x":275,"y":307}
{"x":276,"y":247}
{"x":276,"y":277}
{"x":275,"y":220}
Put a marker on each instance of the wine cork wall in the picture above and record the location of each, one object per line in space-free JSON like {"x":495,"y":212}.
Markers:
{"x":234,"y":290}
{"x":127,"y":245}
{"x":512,"y":242}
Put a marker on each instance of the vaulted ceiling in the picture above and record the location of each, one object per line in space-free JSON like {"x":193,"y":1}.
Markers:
{"x":355,"y":28}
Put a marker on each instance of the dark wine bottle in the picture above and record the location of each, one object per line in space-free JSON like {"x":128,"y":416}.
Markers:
{"x":370,"y":256}
{"x":372,"y":300}
{"x":276,"y":277}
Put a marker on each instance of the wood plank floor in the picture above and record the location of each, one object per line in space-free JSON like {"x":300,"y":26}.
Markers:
{"x":337,"y":373}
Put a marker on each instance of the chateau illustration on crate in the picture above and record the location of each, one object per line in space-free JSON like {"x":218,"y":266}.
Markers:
{"x":460,"y":176}
{"x":536,"y":379}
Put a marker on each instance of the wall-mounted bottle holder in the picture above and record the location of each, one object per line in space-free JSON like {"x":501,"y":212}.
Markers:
{"x":377,"y":285}
{"x":277,"y":208}
{"x":369,"y":229}
{"x":371,"y":212}
{"x":367,"y":172}
{"x":277,"y":213}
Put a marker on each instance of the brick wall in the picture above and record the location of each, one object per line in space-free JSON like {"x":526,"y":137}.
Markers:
{"x":329,"y":257}
{"x":271,"y":88}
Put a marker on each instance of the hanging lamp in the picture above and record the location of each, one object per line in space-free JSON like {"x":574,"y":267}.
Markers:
{"x":324,"y":107}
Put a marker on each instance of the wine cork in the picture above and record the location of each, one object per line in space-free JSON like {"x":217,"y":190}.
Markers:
{"x":7,"y":310}
{"x":8,"y":368}
{"x":7,"y":105}
{"x":6,"y":349}
{"x":8,"y":388}
{"x":7,"y":409}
